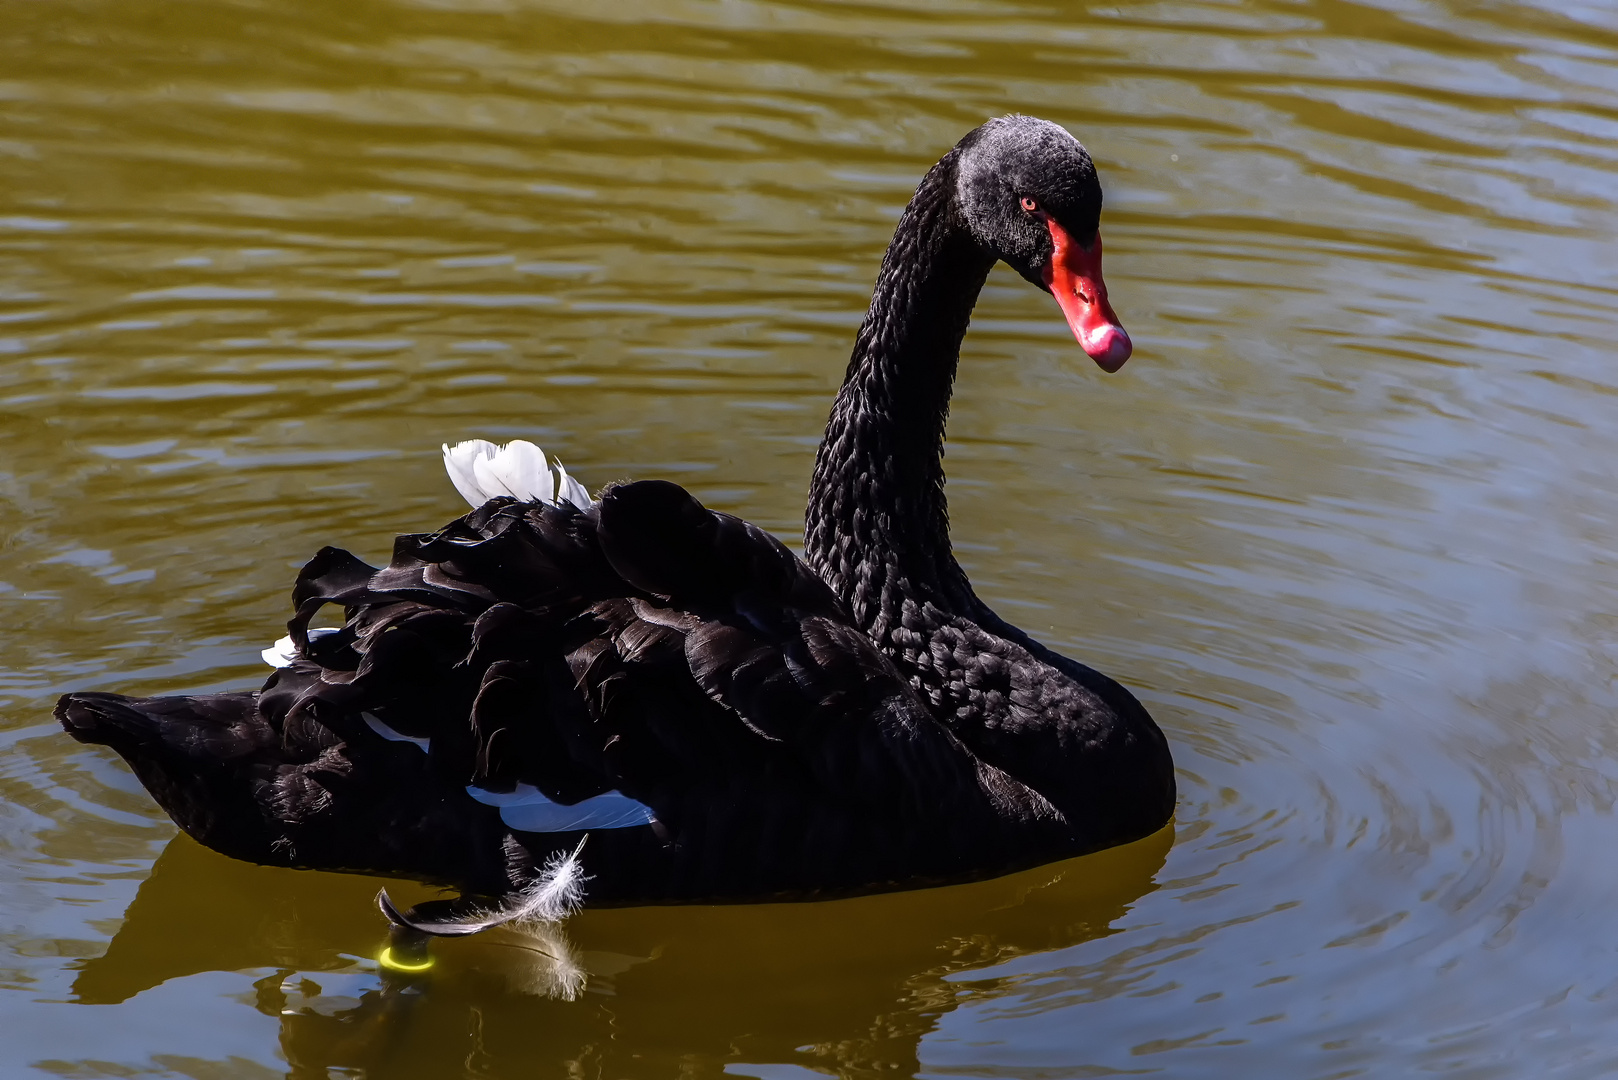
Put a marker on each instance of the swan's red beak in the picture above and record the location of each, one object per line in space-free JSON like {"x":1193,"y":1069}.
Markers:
{"x":1074,"y":277}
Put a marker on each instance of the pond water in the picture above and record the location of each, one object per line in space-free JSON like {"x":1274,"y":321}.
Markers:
{"x":1346,"y":523}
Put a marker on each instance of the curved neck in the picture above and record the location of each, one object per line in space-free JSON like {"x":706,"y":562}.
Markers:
{"x":877,"y":526}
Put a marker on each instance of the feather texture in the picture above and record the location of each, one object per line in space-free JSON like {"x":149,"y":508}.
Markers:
{"x":533,"y":671}
{"x":556,"y":893}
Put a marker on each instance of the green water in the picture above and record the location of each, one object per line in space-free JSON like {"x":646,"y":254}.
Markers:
{"x":1345,"y":522}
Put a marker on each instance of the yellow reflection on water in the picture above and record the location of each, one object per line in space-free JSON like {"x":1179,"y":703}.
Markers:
{"x":848,"y":984}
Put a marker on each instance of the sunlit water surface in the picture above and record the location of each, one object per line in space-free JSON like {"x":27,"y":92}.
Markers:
{"x":1345,"y":523}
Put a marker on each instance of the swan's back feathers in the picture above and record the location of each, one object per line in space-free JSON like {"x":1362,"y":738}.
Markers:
{"x":644,"y":648}
{"x":664,"y":542}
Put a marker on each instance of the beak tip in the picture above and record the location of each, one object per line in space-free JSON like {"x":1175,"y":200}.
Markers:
{"x":1109,"y":346}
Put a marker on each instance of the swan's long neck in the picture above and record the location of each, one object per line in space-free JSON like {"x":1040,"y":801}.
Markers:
{"x":877,"y":527}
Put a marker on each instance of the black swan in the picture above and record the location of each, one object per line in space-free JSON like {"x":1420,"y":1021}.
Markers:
{"x":723,"y":720}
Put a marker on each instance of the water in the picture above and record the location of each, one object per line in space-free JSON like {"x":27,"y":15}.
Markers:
{"x":1345,"y":522}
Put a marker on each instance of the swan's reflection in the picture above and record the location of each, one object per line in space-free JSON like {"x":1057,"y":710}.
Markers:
{"x":851,"y":985}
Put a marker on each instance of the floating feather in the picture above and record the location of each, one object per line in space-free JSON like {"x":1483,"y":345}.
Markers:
{"x":556,"y":892}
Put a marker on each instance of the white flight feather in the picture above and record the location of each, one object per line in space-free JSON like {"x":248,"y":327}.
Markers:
{"x":516,"y":469}
{"x":481,"y":471}
{"x":283,"y":652}
{"x":524,"y":467}
{"x":458,"y":463}
{"x":570,"y":490}
{"x":489,"y":482}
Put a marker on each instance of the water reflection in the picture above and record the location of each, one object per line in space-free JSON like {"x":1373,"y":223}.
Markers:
{"x":852,"y":985}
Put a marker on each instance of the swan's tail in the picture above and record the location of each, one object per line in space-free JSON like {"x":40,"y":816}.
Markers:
{"x":193,"y":754}
{"x":207,"y":727}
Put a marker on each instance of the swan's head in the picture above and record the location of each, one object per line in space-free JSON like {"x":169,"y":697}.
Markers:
{"x":1029,"y":194}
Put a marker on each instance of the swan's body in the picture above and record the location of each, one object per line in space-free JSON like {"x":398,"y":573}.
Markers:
{"x":723,"y":719}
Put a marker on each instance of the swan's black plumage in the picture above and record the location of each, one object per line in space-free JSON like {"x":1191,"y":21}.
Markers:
{"x":683,"y":657}
{"x":859,"y":722}
{"x":877,"y":526}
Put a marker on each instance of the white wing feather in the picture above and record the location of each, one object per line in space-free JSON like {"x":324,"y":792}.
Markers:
{"x":283,"y":652}
{"x":489,"y":482}
{"x":459,"y":463}
{"x":570,"y":490}
{"x":521,"y":466}
{"x":480,"y":471}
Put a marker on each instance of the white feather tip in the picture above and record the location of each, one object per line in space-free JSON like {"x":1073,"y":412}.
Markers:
{"x":481,"y":471}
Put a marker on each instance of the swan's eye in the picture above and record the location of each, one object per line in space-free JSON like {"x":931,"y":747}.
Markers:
{"x":1029,"y":204}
